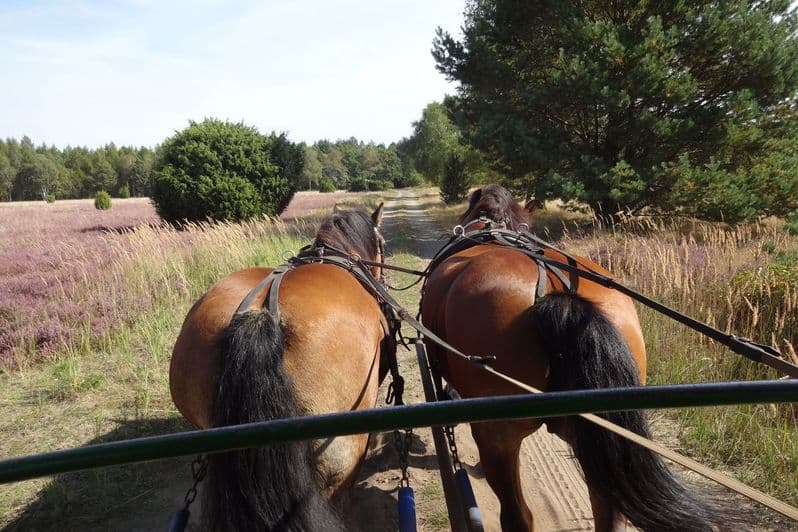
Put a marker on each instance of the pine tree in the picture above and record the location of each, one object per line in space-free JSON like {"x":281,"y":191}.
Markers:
{"x":629,"y":104}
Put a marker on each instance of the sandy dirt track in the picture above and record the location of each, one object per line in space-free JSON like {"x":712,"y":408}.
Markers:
{"x":551,"y":477}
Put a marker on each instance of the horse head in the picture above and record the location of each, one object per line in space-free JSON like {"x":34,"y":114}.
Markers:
{"x":356,"y":233}
{"x":494,"y":203}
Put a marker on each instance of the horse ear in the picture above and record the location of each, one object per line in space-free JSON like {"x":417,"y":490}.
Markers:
{"x":531,"y":206}
{"x":474,"y":197}
{"x":377,"y":216}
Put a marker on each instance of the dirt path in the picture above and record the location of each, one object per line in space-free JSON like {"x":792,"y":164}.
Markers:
{"x":552,"y":481}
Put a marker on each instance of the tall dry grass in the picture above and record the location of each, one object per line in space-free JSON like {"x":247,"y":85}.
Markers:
{"x":741,"y":279}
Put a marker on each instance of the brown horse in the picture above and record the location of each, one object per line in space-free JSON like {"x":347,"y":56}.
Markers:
{"x":484,"y":300}
{"x":325,"y":352}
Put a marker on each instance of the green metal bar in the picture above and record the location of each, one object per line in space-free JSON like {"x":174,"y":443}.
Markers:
{"x":382,"y":419}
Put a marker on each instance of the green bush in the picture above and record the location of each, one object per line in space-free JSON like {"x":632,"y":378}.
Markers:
{"x":218,"y":170}
{"x":792,"y":223}
{"x":325,"y":185}
{"x":378,"y":184}
{"x":357,"y":184}
{"x":454,"y":183}
{"x":50,"y":198}
{"x":124,"y":192}
{"x":408,"y":179}
{"x":102,"y":200}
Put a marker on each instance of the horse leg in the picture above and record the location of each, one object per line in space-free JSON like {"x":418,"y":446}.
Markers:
{"x":499,"y":445}
{"x":605,"y":517}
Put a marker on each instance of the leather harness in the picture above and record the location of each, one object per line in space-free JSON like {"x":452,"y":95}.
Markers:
{"x":523,"y":241}
{"x":326,"y":254}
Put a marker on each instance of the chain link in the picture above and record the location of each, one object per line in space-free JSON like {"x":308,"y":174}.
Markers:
{"x":449,"y":429}
{"x":402,"y":443}
{"x":199,"y":467}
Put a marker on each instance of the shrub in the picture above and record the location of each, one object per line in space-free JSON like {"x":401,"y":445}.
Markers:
{"x":378,"y":184}
{"x":792,"y":223}
{"x":124,"y":192}
{"x":408,"y":179}
{"x":50,"y":198}
{"x":357,"y":184}
{"x":102,"y":200}
{"x":454,"y":184}
{"x":218,"y":170}
{"x":325,"y":185}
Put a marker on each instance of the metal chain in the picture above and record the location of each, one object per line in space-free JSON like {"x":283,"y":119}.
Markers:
{"x":449,"y":429}
{"x":402,"y":443}
{"x":199,"y":467}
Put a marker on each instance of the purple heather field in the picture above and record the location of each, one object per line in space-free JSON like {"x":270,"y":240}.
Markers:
{"x":52,"y":255}
{"x":49,"y":254}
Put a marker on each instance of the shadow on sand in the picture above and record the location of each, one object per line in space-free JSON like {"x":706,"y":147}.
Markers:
{"x":144,"y":496}
{"x":113,"y":497}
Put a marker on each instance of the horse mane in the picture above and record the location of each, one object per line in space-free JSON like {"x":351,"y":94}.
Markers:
{"x":497,"y":203}
{"x":352,"y":231}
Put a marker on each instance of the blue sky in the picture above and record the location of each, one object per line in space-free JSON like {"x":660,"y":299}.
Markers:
{"x":135,"y":71}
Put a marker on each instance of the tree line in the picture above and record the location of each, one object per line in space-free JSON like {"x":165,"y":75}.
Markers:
{"x":29,"y":172}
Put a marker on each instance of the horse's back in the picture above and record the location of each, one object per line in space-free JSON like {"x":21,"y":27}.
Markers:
{"x":479,"y":300}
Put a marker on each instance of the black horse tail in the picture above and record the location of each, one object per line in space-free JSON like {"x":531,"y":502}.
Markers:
{"x":588,"y":352}
{"x":271,"y":487}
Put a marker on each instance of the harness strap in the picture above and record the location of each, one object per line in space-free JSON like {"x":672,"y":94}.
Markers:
{"x":316,"y":255}
{"x":275,"y":277}
{"x":526,"y":243}
{"x":542,"y":278}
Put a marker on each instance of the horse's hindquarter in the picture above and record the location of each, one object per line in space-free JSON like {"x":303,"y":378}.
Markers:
{"x":477,"y":300}
{"x":332,"y":336}
{"x":333,"y":331}
{"x":194,"y":367}
{"x":618,"y":308}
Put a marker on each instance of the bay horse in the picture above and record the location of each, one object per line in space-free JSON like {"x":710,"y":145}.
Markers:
{"x":324,"y":351}
{"x":557,"y":333}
